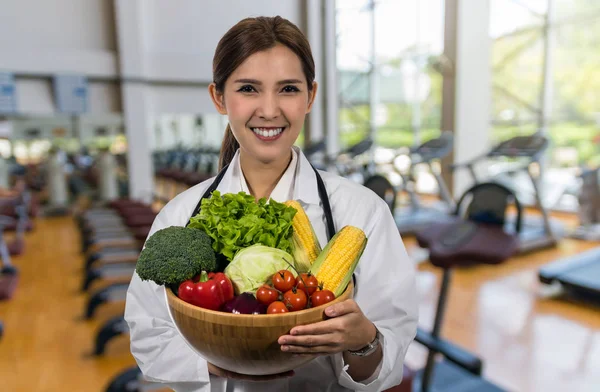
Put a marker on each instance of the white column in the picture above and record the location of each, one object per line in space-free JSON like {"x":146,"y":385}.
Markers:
{"x":130,"y":32}
{"x":314,"y":32}
{"x":467,"y":83}
{"x":547,"y":87}
{"x":331,"y":93}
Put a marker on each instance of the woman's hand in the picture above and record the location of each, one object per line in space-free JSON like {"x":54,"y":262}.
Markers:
{"x":348,"y":329}
{"x":217,"y":371}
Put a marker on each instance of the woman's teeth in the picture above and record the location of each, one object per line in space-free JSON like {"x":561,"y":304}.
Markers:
{"x":264,"y":132}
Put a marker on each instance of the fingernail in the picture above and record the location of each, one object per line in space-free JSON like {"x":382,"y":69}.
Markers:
{"x":330,"y":312}
{"x":284,"y":348}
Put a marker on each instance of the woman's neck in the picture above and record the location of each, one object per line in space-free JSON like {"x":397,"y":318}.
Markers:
{"x":263,"y":178}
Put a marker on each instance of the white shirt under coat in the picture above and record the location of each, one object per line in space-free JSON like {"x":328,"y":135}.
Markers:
{"x":385,"y":290}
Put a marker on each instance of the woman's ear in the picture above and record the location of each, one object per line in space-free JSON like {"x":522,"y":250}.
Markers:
{"x":311,"y":97}
{"x":217,"y":98}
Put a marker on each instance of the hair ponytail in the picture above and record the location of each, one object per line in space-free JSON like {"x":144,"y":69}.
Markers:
{"x":228,"y":148}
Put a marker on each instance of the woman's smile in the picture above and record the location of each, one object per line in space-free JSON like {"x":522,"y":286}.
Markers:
{"x":268,"y":134}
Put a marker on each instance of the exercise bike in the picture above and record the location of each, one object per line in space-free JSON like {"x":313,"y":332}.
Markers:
{"x":537,"y":232}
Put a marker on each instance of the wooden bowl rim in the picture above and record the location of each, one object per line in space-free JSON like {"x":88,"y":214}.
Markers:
{"x":344,"y":296}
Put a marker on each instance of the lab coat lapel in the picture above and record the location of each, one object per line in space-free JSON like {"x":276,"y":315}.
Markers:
{"x":305,"y":189}
{"x":230,"y":183}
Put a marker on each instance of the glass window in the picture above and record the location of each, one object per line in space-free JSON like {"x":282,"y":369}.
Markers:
{"x":385,"y":81}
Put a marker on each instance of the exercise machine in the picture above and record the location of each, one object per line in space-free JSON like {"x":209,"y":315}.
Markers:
{"x":578,"y":276}
{"x":537,"y":232}
{"x":131,"y":380}
{"x":113,"y":328}
{"x":417,"y":216}
{"x":589,"y":207}
{"x":478,"y":235}
{"x":9,"y":275}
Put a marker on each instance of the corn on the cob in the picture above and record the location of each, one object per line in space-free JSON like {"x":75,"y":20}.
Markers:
{"x":305,"y":245}
{"x":336,"y":264}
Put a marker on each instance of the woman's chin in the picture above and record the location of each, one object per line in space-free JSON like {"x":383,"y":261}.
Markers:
{"x":270,"y":154}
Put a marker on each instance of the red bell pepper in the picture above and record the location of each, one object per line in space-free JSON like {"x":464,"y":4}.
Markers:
{"x":224,"y":282}
{"x":205,"y":293}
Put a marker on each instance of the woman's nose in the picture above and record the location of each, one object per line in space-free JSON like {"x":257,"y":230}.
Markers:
{"x":268,"y":107}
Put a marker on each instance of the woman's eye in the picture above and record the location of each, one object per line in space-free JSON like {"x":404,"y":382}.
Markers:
{"x":246,"y":89}
{"x":290,"y":89}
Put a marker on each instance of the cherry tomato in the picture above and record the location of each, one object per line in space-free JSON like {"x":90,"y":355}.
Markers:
{"x":277,"y":307}
{"x":284,"y":280}
{"x":295,"y":299}
{"x":266,"y":295}
{"x":307,"y":283}
{"x":321,"y":297}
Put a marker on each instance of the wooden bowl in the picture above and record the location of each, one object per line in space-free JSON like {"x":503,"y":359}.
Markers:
{"x":242,"y":343}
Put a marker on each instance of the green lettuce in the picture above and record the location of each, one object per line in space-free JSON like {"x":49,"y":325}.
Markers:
{"x":236,"y":221}
{"x":254,"y":266}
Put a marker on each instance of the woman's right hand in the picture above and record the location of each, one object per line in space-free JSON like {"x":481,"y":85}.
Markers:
{"x":217,"y":371}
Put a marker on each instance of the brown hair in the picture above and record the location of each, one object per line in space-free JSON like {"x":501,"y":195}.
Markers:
{"x":247,"y":37}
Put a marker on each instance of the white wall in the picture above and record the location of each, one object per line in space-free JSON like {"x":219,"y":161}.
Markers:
{"x":180,"y":41}
{"x":58,"y":36}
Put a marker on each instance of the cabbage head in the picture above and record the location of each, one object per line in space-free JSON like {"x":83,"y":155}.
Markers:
{"x":255,"y":265}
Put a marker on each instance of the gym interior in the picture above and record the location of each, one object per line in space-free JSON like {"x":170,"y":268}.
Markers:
{"x":477,"y":121}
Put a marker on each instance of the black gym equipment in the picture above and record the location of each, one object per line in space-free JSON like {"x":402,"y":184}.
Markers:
{"x":578,"y":276}
{"x":9,"y":275}
{"x":131,"y":380}
{"x":537,"y":232}
{"x":114,"y":292}
{"x":113,"y":328}
{"x":417,"y":216}
{"x":478,"y":235}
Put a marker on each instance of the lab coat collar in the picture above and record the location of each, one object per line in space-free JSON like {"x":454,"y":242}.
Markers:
{"x":305,"y":180}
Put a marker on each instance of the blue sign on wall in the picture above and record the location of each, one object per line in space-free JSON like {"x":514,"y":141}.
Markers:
{"x":71,"y":93}
{"x":8,"y":96}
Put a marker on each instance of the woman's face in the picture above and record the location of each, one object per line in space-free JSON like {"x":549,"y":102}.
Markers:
{"x":266,"y":99}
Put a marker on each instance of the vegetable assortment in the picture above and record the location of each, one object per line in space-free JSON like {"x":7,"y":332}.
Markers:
{"x":274,"y":263}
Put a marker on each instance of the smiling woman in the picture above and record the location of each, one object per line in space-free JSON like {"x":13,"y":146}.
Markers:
{"x":264,"y":82}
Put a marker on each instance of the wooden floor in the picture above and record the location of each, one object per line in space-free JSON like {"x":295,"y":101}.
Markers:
{"x":528,"y":342}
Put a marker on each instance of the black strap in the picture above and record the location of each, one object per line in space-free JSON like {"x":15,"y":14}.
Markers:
{"x":210,"y":190}
{"x":326,"y":207}
{"x":320,"y":187}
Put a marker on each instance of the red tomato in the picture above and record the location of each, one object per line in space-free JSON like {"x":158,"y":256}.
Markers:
{"x":307,"y":283}
{"x":277,"y":307}
{"x":284,"y":280}
{"x":295,"y":299}
{"x":267,"y":295}
{"x":321,"y":297}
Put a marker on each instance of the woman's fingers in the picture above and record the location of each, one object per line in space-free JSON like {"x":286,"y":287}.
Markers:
{"x":312,"y":350}
{"x":310,"y":343}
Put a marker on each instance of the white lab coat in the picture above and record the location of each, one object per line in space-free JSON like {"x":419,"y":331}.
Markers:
{"x":385,"y":291}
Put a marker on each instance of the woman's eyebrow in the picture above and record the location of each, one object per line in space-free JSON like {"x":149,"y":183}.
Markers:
{"x":258,"y":82}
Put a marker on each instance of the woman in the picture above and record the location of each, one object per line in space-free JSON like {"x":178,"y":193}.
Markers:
{"x":264,"y":82}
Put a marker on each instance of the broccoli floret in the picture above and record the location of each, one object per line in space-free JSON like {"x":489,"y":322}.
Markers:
{"x":175,"y":254}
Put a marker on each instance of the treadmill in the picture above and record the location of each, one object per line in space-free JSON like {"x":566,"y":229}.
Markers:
{"x":578,"y":276}
{"x":417,"y":216}
{"x":537,"y":232}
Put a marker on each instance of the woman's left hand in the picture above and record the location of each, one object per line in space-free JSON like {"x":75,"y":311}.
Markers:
{"x":348,"y":329}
